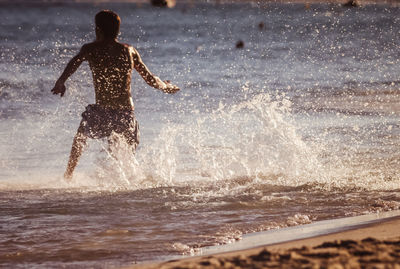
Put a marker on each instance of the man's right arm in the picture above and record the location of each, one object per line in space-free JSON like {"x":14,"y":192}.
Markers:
{"x":72,"y":66}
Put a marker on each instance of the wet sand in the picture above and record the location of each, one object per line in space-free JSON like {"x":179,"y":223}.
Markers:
{"x":376,"y":245}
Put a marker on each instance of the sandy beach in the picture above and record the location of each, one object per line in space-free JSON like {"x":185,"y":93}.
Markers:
{"x":376,"y":245}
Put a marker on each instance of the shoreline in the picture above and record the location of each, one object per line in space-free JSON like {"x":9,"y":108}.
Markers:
{"x":379,"y":230}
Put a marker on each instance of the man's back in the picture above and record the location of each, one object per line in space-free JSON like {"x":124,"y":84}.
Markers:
{"x":111,"y":64}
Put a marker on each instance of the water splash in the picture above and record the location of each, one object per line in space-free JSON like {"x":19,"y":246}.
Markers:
{"x":254,"y":139}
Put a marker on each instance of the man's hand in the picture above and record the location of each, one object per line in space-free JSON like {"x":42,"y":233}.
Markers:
{"x":59,"y":88}
{"x":71,"y":67}
{"x":170,"y":87}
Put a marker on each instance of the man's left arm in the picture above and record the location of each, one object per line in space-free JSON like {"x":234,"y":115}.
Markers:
{"x":151,"y":79}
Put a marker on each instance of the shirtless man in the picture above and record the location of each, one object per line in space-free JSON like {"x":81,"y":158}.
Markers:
{"x":111,"y":64}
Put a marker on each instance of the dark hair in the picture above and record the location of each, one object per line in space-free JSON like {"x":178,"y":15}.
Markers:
{"x":108,"y":22}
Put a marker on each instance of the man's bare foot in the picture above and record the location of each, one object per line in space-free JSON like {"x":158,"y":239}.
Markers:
{"x":68,"y":176}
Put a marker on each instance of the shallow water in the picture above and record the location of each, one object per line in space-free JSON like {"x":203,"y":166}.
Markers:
{"x":300,"y":125}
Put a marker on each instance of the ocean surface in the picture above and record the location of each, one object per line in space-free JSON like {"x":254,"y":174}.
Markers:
{"x":299,"y":125}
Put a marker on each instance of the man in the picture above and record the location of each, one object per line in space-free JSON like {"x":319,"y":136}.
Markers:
{"x":111,"y":64}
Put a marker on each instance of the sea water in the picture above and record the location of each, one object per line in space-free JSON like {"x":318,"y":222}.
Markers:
{"x":299,"y":125}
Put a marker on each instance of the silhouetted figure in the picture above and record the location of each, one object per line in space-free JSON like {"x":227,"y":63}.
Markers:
{"x":240,"y":44}
{"x":159,"y":3}
{"x":111,"y":64}
{"x":163,"y":3}
{"x":352,"y":3}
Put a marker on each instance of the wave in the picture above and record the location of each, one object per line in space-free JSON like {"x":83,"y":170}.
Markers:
{"x":255,"y":140}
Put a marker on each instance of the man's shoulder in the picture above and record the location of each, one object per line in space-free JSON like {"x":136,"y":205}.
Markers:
{"x":128,"y":47}
{"x":89,"y":46}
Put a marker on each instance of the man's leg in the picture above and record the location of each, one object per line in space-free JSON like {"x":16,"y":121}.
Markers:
{"x":112,"y":142}
{"x":76,"y":152}
{"x":131,"y":140}
{"x":132,"y":136}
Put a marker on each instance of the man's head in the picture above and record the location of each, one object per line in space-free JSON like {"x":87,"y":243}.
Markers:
{"x":107,"y":22}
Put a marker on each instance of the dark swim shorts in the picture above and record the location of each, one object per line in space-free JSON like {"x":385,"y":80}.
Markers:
{"x":98,"y":122}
